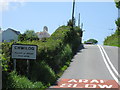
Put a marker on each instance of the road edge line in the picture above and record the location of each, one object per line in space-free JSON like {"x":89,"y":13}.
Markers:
{"x":108,"y":59}
{"x":108,"y":67}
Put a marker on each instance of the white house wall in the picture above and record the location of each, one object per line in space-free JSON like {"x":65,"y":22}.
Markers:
{"x":0,"y":36}
{"x":9,"y":35}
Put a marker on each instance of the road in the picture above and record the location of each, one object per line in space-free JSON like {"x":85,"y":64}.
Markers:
{"x":94,"y":62}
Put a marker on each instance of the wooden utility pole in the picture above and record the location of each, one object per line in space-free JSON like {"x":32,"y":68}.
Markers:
{"x":79,"y":20}
{"x":82,"y":26}
{"x":73,"y":13}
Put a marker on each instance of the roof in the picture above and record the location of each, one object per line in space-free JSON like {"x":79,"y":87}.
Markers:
{"x":16,"y":32}
{"x":43,"y":33}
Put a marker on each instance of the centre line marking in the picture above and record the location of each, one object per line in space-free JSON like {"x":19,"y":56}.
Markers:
{"x":110,"y":62}
{"x":111,"y":72}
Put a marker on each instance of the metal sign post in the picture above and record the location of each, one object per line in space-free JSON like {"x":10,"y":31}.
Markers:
{"x":24,"y":52}
{"x":14,"y":60}
{"x":27,"y":67}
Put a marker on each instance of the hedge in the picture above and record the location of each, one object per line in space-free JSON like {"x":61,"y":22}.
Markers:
{"x":54,"y":53}
{"x":113,"y":40}
{"x":16,"y":81}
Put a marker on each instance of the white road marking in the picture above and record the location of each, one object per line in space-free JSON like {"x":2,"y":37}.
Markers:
{"x":110,"y":62}
{"x":111,"y":72}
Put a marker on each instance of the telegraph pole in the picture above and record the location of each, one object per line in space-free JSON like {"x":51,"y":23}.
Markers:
{"x":82,"y":26}
{"x":79,"y":20}
{"x":73,"y":13}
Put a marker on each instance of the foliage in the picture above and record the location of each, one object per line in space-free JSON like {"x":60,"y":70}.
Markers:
{"x":113,"y":40}
{"x":16,"y":81}
{"x":117,"y":2}
{"x":118,"y":22}
{"x":4,"y":61}
{"x":53,"y":56}
{"x":71,"y":23}
{"x":44,"y":73}
{"x":28,"y":35}
{"x":22,"y":37}
{"x":92,"y":41}
{"x":5,"y":53}
{"x":85,"y":42}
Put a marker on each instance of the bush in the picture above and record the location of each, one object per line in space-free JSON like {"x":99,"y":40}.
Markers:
{"x":42,"y":72}
{"x":28,"y":35}
{"x":92,"y":41}
{"x":71,"y":23}
{"x":113,"y":40}
{"x":53,"y":56}
{"x":5,"y":56}
{"x":15,"y":81}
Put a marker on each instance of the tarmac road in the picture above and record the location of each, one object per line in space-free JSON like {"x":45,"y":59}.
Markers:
{"x":89,"y":63}
{"x":94,"y":62}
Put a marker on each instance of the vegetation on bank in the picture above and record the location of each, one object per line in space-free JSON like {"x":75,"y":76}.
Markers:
{"x":114,"y":39}
{"x":28,"y":35}
{"x":53,"y":57}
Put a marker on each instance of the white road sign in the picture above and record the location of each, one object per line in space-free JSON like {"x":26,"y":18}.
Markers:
{"x":24,"y":51}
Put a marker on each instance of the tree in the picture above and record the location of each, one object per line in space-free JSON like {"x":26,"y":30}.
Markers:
{"x":22,"y":37}
{"x":28,"y":35}
{"x":117,"y":2}
{"x":71,"y":23}
{"x":118,"y":22}
{"x":93,"y":41}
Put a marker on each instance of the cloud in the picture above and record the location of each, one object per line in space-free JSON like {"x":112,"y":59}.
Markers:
{"x":5,"y":4}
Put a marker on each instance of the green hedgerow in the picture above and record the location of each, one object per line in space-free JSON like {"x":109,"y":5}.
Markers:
{"x":16,"y":81}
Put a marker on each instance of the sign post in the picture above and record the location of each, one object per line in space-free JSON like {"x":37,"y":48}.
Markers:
{"x":21,"y":51}
{"x":24,"y":51}
{"x":14,"y":64}
{"x":28,"y":67}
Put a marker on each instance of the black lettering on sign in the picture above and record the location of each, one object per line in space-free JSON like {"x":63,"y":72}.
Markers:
{"x":30,"y":53}
{"x":15,"y":47}
{"x":20,"y":55}
{"x":26,"y":56}
{"x":18,"y":52}
{"x":30,"y":48}
{"x":23,"y":48}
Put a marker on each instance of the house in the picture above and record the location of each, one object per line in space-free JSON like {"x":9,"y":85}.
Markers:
{"x":0,"y":35}
{"x":10,"y":35}
{"x":43,"y":34}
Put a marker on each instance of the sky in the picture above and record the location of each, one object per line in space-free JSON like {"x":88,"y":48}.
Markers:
{"x":98,"y":18}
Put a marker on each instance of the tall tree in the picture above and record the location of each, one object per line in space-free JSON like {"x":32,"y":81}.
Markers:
{"x":28,"y":35}
{"x":117,"y":3}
